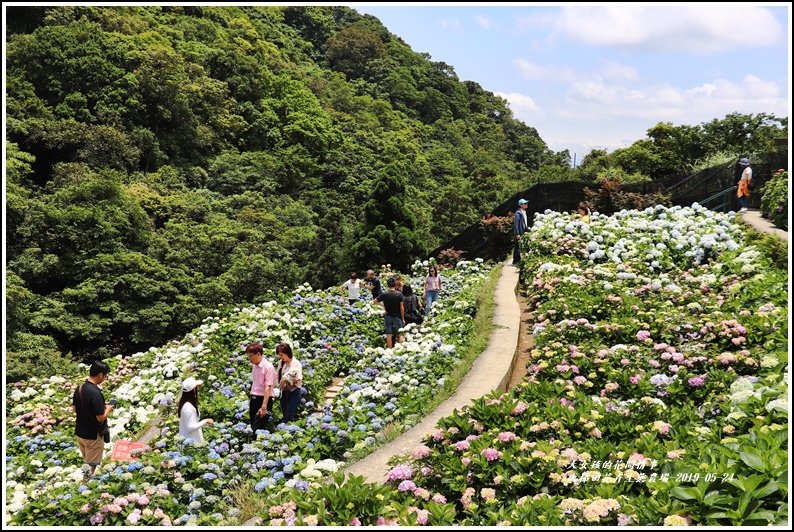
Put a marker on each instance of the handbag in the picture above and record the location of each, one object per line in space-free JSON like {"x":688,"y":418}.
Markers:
{"x":104,"y":431}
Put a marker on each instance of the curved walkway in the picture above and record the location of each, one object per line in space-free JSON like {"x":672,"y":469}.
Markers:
{"x":754,"y":219}
{"x":491,"y":370}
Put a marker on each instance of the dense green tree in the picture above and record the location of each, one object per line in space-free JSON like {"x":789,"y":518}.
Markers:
{"x":162,"y":161}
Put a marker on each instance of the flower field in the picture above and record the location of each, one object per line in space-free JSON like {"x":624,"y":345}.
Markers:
{"x":656,"y":394}
{"x":177,"y":482}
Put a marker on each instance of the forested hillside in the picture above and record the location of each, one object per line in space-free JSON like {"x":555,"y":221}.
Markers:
{"x":163,"y":161}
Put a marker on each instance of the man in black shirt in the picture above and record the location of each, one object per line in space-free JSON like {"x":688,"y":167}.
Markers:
{"x":373,"y":283}
{"x":392,"y":301}
{"x":89,"y":405}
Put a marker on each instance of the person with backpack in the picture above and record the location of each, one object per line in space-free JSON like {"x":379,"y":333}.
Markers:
{"x":413,"y":313}
{"x":91,"y":416}
{"x":519,"y":228}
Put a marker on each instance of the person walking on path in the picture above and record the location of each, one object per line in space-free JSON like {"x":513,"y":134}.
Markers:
{"x":353,"y":286}
{"x":743,"y":193}
{"x":519,"y":228}
{"x":373,"y":283}
{"x":432,"y":288}
{"x":189,"y":424}
{"x":290,"y":381}
{"x":91,"y":415}
{"x":263,"y":377}
{"x":393,"y":301}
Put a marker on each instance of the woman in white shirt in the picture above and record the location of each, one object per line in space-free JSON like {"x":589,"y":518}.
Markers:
{"x":189,"y":424}
{"x":353,"y":286}
{"x":290,"y":380}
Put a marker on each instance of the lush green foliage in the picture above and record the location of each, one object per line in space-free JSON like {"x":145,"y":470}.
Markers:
{"x":774,"y":199}
{"x":678,"y":150}
{"x":163,"y":161}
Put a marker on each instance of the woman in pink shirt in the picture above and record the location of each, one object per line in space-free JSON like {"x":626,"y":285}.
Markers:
{"x":432,"y":288}
{"x":263,"y":378}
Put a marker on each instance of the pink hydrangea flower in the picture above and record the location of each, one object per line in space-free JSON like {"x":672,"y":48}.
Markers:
{"x":406,"y":485}
{"x":491,"y":454}
{"x":421,"y":451}
{"x":462,"y":446}
{"x":505,"y":437}
{"x":520,"y":408}
{"x":643,"y":335}
{"x":401,"y":472}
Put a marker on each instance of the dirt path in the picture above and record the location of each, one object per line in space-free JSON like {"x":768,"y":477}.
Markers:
{"x":525,"y":343}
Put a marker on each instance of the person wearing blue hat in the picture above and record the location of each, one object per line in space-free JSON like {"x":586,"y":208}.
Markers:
{"x":519,"y":228}
{"x":743,"y":191}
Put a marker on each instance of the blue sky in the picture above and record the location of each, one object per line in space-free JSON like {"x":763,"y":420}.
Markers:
{"x":601,"y":75}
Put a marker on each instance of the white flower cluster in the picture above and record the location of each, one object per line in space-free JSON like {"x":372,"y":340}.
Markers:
{"x":317,"y":469}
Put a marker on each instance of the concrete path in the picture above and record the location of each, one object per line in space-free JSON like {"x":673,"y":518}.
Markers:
{"x":753,"y":218}
{"x":490,"y":371}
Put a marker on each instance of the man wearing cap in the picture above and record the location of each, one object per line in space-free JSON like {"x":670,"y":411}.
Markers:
{"x":263,"y":377}
{"x":519,"y":228}
{"x":743,"y":193}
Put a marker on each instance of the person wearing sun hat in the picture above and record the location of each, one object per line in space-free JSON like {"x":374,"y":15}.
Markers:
{"x":519,"y":228}
{"x":189,"y":424}
{"x":743,"y":192}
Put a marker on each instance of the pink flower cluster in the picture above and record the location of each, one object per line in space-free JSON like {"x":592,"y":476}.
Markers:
{"x":505,"y":437}
{"x":421,"y":451}
{"x":401,"y":472}
{"x":491,"y":454}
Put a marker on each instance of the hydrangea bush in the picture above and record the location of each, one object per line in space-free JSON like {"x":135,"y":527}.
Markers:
{"x":180,"y":482}
{"x":656,"y":393}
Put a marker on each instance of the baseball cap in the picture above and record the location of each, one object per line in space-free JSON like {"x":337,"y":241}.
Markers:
{"x":190,"y":383}
{"x":522,"y":201}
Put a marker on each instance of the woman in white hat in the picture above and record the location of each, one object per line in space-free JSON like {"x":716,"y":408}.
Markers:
{"x":189,"y":424}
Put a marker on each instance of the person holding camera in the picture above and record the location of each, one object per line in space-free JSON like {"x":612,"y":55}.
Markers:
{"x":189,"y":424}
{"x":290,"y":381}
{"x":91,"y":424}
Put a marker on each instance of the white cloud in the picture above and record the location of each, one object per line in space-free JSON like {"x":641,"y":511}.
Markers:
{"x":593,"y":99}
{"x":700,"y":28}
{"x":618,"y":72}
{"x":546,"y":73}
{"x":523,"y":106}
{"x":452,"y":24}
{"x":483,"y":22}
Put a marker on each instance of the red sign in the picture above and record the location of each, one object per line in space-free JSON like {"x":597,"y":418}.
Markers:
{"x":122,"y":450}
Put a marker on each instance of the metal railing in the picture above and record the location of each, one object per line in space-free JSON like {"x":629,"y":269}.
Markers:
{"x":725,"y":197}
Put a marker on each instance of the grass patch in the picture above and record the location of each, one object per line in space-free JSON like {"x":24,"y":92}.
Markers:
{"x":249,"y":502}
{"x":477,"y":339}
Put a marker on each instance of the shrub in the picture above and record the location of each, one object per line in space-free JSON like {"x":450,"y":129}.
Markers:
{"x":450,"y":257}
{"x":609,"y":198}
{"x":499,"y":233}
{"x":774,"y":199}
